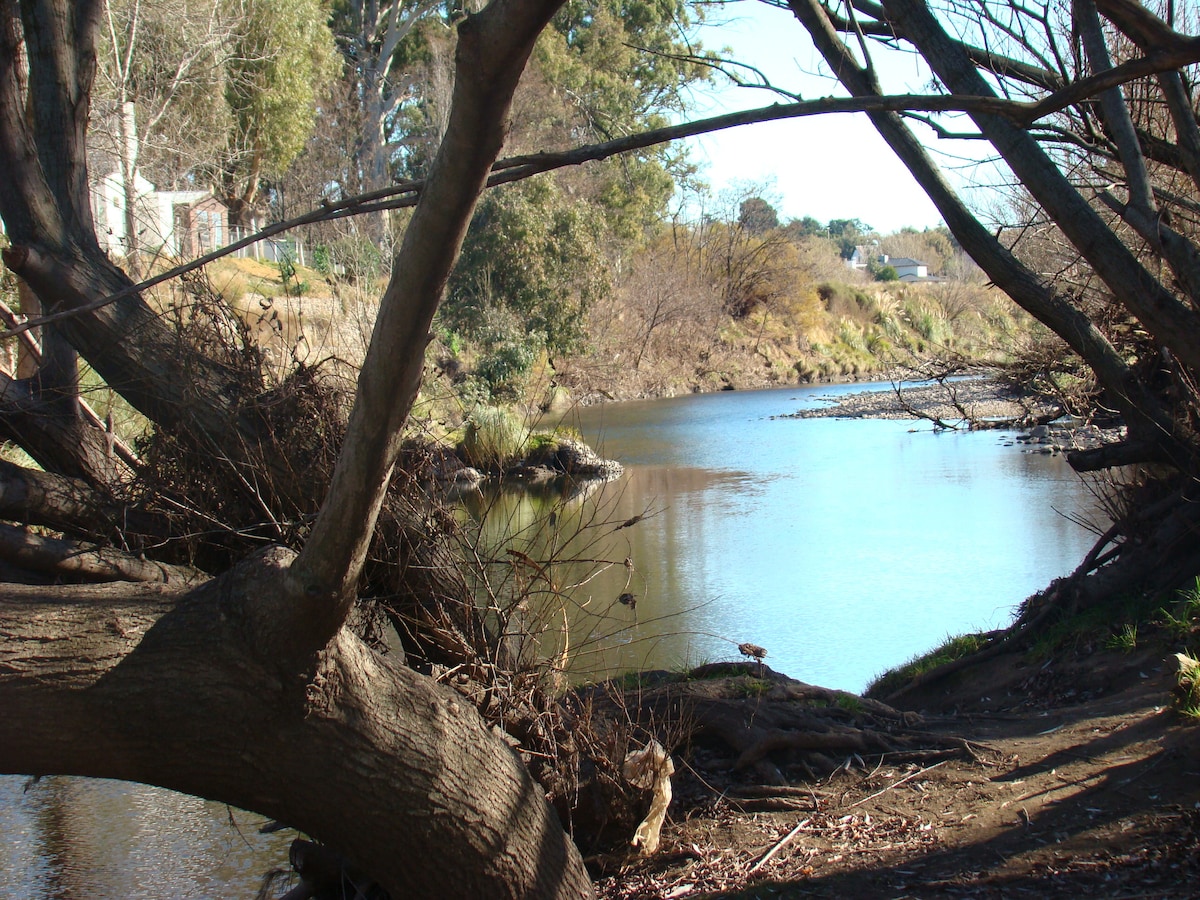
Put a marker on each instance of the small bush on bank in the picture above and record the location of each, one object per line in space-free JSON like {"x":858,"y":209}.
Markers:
{"x":494,"y":438}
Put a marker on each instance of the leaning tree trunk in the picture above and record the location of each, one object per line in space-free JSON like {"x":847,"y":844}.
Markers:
{"x":249,"y":689}
{"x":398,"y":773}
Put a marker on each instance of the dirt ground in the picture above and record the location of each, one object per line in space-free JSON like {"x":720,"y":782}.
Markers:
{"x":1083,"y":782}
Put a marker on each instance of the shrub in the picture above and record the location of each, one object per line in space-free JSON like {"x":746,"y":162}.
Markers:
{"x":503,"y":368}
{"x":494,"y":438}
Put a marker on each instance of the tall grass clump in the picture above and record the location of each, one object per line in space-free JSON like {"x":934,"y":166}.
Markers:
{"x":494,"y":438}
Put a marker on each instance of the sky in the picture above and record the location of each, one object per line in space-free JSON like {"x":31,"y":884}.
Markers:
{"x":827,"y":167}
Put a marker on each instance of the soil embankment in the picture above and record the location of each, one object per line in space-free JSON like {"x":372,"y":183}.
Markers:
{"x":1082,"y":782}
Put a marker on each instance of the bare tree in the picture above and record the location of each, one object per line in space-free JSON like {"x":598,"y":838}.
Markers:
{"x":371,"y":36}
{"x":1095,"y":120}
{"x":160,"y":77}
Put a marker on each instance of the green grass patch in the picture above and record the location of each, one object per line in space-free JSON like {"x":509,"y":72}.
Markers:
{"x":1124,"y":640}
{"x":849,"y":703}
{"x":1112,"y":623}
{"x":1182,"y":619}
{"x":754,"y":687}
{"x":953,"y":648}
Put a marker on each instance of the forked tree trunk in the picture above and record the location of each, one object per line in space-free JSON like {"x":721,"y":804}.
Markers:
{"x":395,"y":771}
{"x":248,"y":689}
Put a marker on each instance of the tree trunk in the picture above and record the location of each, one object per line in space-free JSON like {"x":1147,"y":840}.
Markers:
{"x":174,"y":689}
{"x":248,"y":689}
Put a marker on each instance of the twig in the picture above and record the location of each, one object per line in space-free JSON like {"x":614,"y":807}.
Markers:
{"x":897,"y":784}
{"x":779,"y":845}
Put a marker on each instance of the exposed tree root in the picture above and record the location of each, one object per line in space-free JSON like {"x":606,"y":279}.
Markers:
{"x":742,"y":731}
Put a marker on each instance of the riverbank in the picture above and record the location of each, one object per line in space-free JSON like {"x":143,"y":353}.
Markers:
{"x":981,"y":400}
{"x":1078,"y":781}
{"x":978,"y":398}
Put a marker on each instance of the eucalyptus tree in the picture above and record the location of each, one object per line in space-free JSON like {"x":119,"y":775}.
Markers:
{"x":282,"y":58}
{"x":538,"y":256}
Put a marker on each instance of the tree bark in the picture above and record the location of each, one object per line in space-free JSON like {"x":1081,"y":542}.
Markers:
{"x":396,"y":772}
{"x":493,"y":48}
{"x":248,"y":688}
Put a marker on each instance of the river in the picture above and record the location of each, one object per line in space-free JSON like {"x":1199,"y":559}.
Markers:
{"x":841,"y":546}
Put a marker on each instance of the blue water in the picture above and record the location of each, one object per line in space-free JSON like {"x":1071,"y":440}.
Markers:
{"x":843,"y":546}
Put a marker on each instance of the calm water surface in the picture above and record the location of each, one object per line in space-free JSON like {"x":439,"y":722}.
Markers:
{"x":842,"y":546}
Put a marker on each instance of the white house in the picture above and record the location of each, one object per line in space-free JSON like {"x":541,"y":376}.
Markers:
{"x":907,"y":269}
{"x":860,"y":258}
{"x":174,"y":223}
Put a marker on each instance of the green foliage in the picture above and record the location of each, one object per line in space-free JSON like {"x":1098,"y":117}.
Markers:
{"x":926,"y":319}
{"x":1094,"y":626}
{"x":797,"y":229}
{"x":321,"y":260}
{"x":848,"y":233}
{"x":753,"y":687}
{"x":503,"y":368}
{"x":293,"y":285}
{"x":282,"y":57}
{"x":535,"y":254}
{"x":504,"y":350}
{"x":625,"y":62}
{"x":625,"y":67}
{"x":849,"y":702}
{"x":1124,"y":640}
{"x":883,"y":272}
{"x":953,"y":648}
{"x":757,"y":216}
{"x":1182,"y":620}
{"x":225,"y":92}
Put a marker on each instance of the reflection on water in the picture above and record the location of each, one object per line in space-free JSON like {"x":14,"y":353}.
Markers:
{"x":843,"y":547}
{"x":77,"y":838}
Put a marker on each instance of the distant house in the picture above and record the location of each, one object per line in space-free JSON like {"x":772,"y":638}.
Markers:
{"x":201,"y":222}
{"x":860,"y":258}
{"x":907,"y":269}
{"x":175,"y":223}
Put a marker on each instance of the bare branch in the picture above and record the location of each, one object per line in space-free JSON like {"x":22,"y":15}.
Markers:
{"x":54,"y":557}
{"x":406,"y":194}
